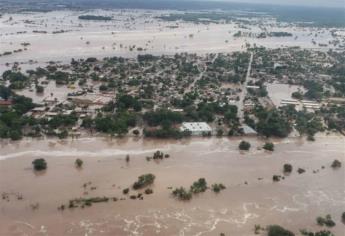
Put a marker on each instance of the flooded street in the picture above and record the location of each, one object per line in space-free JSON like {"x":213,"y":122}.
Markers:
{"x":250,"y":197}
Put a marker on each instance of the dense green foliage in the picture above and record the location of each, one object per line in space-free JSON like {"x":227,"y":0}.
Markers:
{"x":199,"y":186}
{"x":115,"y":124}
{"x":217,"y":187}
{"x":17,"y":79}
{"x":79,"y":163}
{"x":273,"y":123}
{"x":325,"y":221}
{"x":39,"y":164}
{"x":144,"y":181}
{"x":268,"y":146}
{"x":245,"y":146}
{"x":276,"y":230}
{"x":12,"y":120}
{"x":287,"y":168}
{"x":319,"y":233}
{"x":336,"y":164}
{"x":162,"y":117}
{"x":182,"y":194}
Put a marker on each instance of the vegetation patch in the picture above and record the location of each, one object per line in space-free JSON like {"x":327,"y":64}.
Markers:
{"x":144,"y":181}
{"x":325,"y":221}
{"x":39,"y":164}
{"x":218,"y":187}
{"x":276,"y":230}
{"x":244,"y":146}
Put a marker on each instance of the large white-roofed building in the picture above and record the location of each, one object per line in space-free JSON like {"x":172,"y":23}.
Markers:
{"x":196,"y":128}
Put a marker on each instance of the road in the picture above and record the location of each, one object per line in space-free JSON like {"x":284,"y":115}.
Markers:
{"x":243,"y":94}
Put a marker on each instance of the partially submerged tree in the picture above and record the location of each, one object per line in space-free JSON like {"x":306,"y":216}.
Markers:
{"x":39,"y":164}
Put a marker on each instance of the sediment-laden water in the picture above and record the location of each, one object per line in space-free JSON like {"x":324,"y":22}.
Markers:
{"x":251,"y":197}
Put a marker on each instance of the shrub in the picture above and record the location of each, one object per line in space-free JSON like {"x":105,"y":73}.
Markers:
{"x":136,"y":132}
{"x":276,"y":230}
{"x":343,"y":217}
{"x":39,"y":164}
{"x":182,"y":194}
{"x":158,"y":155}
{"x":39,"y":89}
{"x":125,"y":191}
{"x":276,"y":178}
{"x":217,"y":187}
{"x":143,"y":181}
{"x":300,"y":171}
{"x":319,"y":233}
{"x":148,"y":191}
{"x":257,"y":229}
{"x":199,"y":186}
{"x":327,"y":221}
{"x":336,"y":164}
{"x":287,"y":168}
{"x":244,"y":146}
{"x":79,"y":163}
{"x":268,"y":146}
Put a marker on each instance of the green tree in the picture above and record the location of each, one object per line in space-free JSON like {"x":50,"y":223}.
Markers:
{"x":39,"y":164}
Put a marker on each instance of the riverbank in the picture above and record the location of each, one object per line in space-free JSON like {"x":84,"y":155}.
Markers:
{"x":251,"y":197}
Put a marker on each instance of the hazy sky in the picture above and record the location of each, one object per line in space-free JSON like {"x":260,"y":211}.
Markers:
{"x":327,"y":3}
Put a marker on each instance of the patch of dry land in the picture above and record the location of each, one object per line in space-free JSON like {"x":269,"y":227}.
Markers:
{"x":30,"y":200}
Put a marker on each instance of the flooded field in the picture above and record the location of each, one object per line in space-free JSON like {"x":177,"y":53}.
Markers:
{"x":61,"y":36}
{"x":278,"y":92}
{"x":250,"y":197}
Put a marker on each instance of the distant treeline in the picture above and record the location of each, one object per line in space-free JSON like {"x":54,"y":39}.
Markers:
{"x":92,"y":17}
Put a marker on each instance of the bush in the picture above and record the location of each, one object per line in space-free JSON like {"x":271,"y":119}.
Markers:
{"x":276,"y":230}
{"x":199,"y":186}
{"x":276,"y":178}
{"x":327,"y":221}
{"x":319,"y":233}
{"x":79,"y":163}
{"x":143,"y":181}
{"x":268,"y":146}
{"x":287,"y":168}
{"x":336,"y":164}
{"x":217,"y":187}
{"x":148,"y":191}
{"x":125,"y":191}
{"x":39,"y":89}
{"x":39,"y":164}
{"x":136,"y":132}
{"x":182,"y":194}
{"x":158,"y":155}
{"x":244,"y":146}
{"x":300,"y":171}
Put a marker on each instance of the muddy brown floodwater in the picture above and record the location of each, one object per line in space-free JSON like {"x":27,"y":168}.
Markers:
{"x":250,"y":197}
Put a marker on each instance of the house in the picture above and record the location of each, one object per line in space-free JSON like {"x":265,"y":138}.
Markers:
{"x":248,"y":131}
{"x":196,"y":128}
{"x":5,"y":103}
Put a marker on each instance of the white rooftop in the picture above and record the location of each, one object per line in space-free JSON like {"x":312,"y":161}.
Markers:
{"x":196,"y":126}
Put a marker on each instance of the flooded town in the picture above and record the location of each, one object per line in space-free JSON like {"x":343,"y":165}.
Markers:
{"x":155,"y":119}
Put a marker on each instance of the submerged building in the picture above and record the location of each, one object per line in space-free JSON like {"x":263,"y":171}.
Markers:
{"x":196,"y":128}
